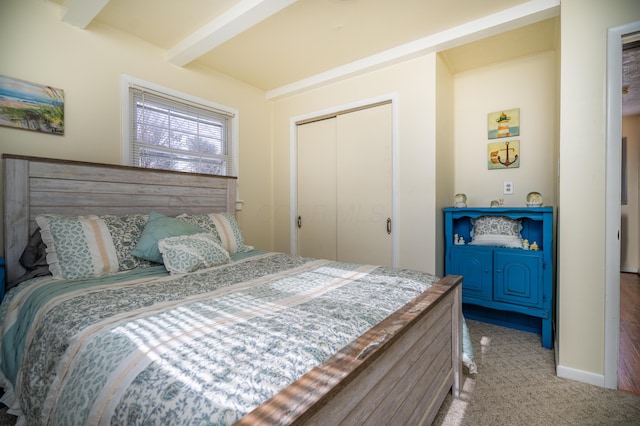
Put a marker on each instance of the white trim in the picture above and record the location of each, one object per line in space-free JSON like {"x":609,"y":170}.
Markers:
{"x":293,"y":169}
{"x":293,"y":185}
{"x":612,"y":202}
{"x":580,"y":375}
{"x":395,"y":221}
{"x":126,"y":81}
{"x":630,"y":270}
{"x":508,"y":19}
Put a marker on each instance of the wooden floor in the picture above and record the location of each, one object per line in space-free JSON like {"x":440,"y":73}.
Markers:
{"x":629,"y":355}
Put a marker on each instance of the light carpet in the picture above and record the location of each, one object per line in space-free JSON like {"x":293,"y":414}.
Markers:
{"x":516,"y":385}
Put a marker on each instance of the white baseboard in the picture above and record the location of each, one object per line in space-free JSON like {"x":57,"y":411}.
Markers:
{"x":580,"y":375}
{"x":627,"y":269}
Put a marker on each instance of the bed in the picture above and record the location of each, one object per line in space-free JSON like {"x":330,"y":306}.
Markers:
{"x":220,"y":333}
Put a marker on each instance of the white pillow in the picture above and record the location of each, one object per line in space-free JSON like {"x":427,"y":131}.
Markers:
{"x":497,"y":231}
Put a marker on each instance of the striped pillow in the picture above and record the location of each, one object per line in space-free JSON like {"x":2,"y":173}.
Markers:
{"x":78,"y":247}
{"x":229,"y":232}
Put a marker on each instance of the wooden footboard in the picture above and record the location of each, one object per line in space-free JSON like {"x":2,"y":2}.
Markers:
{"x":399,"y":372}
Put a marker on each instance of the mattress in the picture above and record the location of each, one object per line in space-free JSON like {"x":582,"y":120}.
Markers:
{"x":148,"y":347}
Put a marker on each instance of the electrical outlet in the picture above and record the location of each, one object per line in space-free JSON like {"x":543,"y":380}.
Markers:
{"x":508,"y":188}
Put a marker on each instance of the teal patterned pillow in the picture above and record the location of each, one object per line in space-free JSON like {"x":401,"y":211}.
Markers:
{"x":497,"y":231}
{"x":203,"y":221}
{"x":188,"y":253}
{"x":77,"y":247}
{"x":126,"y":232}
{"x":158,"y":227}
{"x":225,"y":226}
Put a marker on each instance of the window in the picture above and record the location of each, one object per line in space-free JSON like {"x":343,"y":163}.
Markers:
{"x":173,"y":131}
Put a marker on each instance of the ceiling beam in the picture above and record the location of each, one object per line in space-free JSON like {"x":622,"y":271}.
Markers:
{"x":508,"y":19}
{"x":239,"y":18}
{"x":80,"y":13}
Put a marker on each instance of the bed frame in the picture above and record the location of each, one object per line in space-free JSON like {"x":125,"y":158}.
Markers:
{"x":398,"y":372}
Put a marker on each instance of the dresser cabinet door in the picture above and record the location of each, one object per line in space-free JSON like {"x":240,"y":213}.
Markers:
{"x":518,"y":277}
{"x":476,"y":265}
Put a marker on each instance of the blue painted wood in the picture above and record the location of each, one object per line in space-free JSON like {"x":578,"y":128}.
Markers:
{"x":474,"y":263}
{"x":505,"y":285}
{"x":518,"y":277}
{"x":503,"y":318}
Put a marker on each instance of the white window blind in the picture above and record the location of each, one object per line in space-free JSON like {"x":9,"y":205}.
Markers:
{"x":176,"y":134}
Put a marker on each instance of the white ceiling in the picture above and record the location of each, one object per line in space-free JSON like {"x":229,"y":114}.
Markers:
{"x":282,"y":46}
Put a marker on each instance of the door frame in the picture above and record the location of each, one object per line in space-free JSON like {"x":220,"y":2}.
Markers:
{"x":612,"y":201}
{"x":293,"y":165}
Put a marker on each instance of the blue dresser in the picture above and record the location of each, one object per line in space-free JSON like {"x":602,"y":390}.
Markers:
{"x":505,"y":286}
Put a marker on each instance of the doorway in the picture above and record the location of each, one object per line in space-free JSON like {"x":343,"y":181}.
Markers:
{"x":629,"y":339}
{"x":613,"y":190}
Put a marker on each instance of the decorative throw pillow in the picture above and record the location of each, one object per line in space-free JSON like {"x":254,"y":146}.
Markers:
{"x":35,"y":253}
{"x":203,"y":221}
{"x":188,"y":253}
{"x":496,"y":231}
{"x":158,"y":227}
{"x":126,"y":232}
{"x":225,"y":226}
{"x":77,"y":247}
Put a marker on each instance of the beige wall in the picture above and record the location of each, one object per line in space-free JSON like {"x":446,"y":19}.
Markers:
{"x":445,"y":160}
{"x":581,"y":223}
{"x":528,"y":83}
{"x":87,"y":64}
{"x":630,"y":226}
{"x":430,"y":173}
{"x":413,"y":84}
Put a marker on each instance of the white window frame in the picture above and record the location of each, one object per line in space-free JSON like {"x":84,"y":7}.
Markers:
{"x":128,"y":81}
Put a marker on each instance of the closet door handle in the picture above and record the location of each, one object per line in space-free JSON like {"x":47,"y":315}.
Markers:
{"x":389,"y":225}
{"x":299,"y":222}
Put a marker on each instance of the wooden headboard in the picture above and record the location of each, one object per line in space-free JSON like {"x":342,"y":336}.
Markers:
{"x":34,"y":186}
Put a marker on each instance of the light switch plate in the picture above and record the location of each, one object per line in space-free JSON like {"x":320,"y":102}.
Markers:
{"x":508,"y":188}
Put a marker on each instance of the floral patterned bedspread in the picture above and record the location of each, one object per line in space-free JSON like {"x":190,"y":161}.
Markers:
{"x":145,"y":347}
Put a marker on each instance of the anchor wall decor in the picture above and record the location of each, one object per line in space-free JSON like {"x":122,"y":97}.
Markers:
{"x":503,"y":155}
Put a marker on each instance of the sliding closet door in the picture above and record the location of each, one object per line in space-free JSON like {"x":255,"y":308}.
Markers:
{"x":364,"y":190}
{"x":317,"y":189}
{"x":345,"y":187}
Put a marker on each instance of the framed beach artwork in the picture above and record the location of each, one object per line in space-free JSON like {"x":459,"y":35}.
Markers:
{"x":504,"y":124}
{"x":503,"y":155}
{"x":31,"y":106}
